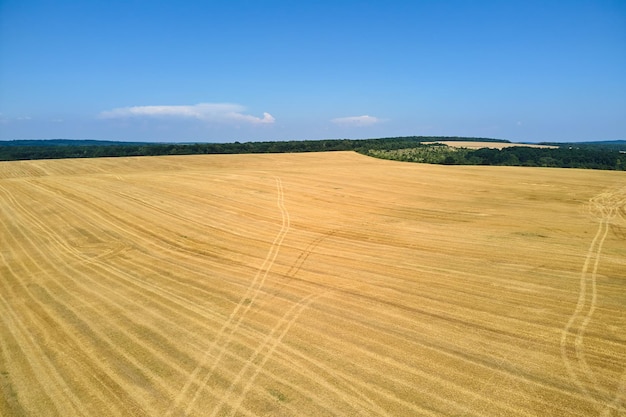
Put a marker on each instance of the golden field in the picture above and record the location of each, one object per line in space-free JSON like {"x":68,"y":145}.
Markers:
{"x":322,"y":284}
{"x":492,"y":145}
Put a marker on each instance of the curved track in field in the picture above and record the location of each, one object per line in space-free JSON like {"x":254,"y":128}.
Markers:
{"x":224,"y":336}
{"x":605,"y":208}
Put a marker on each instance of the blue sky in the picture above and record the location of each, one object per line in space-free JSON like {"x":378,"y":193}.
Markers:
{"x":221,"y":71}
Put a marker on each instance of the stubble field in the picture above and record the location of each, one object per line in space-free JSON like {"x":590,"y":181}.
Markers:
{"x":327,"y":284}
{"x":493,"y":145}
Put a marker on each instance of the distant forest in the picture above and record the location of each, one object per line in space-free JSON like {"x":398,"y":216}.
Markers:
{"x":608,"y":155}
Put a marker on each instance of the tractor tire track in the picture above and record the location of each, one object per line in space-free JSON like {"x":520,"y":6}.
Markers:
{"x":580,"y":335}
{"x":246,"y":301}
{"x":605,"y":207}
{"x":581,"y":303}
{"x":301,"y":305}
{"x":288,"y":319}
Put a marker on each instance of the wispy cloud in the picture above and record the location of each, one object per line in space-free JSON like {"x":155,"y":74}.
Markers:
{"x":211,"y":112}
{"x":357,"y":120}
{"x":6,"y":120}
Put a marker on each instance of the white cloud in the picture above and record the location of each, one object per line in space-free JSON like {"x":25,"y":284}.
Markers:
{"x":212,"y":112}
{"x":6,"y":120}
{"x":356,"y":120}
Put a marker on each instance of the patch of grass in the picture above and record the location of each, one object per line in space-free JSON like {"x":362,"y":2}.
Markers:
{"x":278,"y":395}
{"x":530,"y":234}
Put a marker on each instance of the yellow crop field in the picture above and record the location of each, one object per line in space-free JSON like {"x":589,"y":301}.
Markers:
{"x":493,"y":145}
{"x":321,"y":284}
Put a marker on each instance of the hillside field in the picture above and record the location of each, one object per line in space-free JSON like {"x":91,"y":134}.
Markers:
{"x":312,"y":284}
{"x":493,"y":145}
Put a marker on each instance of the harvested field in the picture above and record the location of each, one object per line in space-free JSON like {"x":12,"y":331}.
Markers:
{"x":323,"y":284}
{"x":492,"y":145}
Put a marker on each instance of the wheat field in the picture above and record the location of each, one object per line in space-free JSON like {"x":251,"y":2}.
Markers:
{"x":322,"y":284}
{"x":492,"y":145}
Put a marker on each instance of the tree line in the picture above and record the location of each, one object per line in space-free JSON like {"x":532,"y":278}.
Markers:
{"x":588,"y":157}
{"x":604,"y":155}
{"x":62,"y":148}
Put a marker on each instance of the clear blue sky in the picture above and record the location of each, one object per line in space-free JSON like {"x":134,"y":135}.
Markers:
{"x":276,"y":70}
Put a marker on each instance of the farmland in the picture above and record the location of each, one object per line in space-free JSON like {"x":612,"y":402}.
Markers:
{"x":494,"y":145}
{"x":318,"y":284}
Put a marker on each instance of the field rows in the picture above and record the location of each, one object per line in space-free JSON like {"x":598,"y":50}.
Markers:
{"x":310,"y":284}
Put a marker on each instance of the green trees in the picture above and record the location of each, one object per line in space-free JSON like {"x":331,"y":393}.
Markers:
{"x":513,"y":156}
{"x":409,"y":149}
